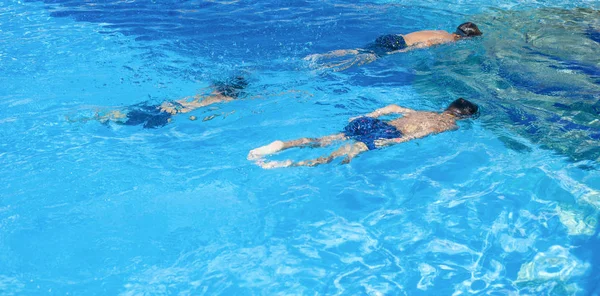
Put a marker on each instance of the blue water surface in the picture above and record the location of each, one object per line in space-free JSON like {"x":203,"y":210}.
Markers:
{"x":507,"y":204}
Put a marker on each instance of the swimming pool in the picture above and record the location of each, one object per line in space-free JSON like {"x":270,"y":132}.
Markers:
{"x":507,"y":204}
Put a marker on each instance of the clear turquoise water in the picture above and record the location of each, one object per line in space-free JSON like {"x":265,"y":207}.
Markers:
{"x":508,"y":204}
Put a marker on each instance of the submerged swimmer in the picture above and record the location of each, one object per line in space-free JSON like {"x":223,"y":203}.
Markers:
{"x":154,"y":116}
{"x":370,"y":133}
{"x":389,"y":44}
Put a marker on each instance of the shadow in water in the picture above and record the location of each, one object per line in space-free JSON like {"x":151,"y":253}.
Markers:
{"x":535,"y":73}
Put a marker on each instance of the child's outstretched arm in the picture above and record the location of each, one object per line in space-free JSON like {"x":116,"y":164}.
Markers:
{"x":390,"y":109}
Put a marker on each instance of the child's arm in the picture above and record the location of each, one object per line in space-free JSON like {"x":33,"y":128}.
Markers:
{"x":390,"y":109}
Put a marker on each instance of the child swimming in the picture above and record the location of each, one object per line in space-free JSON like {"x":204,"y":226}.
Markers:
{"x":339,"y":60}
{"x":154,"y":115}
{"x":370,"y":133}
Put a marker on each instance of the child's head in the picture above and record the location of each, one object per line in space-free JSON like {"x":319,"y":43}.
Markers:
{"x":468,"y":29}
{"x":462,"y":108}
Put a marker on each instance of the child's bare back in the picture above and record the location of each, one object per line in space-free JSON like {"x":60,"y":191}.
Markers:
{"x":419,"y":124}
{"x":429,"y":38}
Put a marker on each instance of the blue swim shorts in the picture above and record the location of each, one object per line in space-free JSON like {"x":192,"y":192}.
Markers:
{"x":367,"y":130}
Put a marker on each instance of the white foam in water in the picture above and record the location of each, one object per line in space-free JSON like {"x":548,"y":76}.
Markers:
{"x":448,"y":247}
{"x":428,"y":274}
{"x":577,"y":223}
{"x":579,"y":190}
{"x":556,"y":266}
{"x":520,"y":245}
{"x":480,"y":281}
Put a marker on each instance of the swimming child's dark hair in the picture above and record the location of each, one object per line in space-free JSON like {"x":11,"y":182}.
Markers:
{"x":232,"y":87}
{"x":468,"y":29}
{"x":462,"y":108}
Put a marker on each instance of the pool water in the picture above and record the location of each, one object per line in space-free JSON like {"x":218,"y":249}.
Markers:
{"x":507,"y":204}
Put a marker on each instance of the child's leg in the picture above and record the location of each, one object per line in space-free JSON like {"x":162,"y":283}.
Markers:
{"x":101,"y":116}
{"x":314,"y":142}
{"x":356,"y":149}
{"x":302,"y":142}
{"x":350,"y":151}
{"x":339,"y":60}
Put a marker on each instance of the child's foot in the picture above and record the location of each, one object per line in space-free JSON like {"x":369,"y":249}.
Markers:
{"x":264,"y":150}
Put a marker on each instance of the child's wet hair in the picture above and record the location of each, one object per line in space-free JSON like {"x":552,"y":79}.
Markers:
{"x":468,"y":29}
{"x":462,"y":108}
{"x":232,"y":87}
